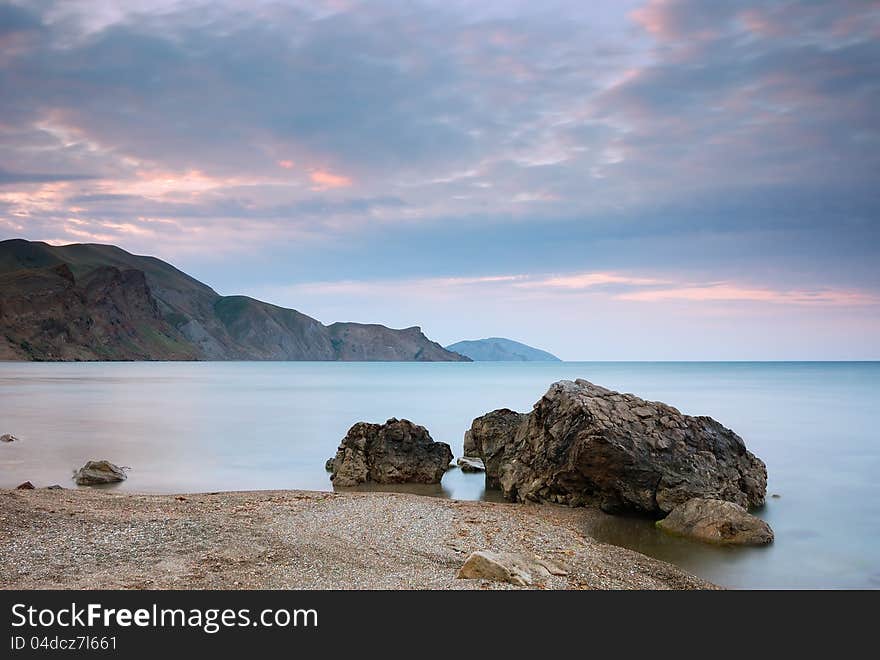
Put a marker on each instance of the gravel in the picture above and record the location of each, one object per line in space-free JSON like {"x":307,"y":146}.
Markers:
{"x":98,"y":539}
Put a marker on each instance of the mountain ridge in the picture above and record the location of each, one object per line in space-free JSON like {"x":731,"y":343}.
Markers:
{"x":90,"y":301}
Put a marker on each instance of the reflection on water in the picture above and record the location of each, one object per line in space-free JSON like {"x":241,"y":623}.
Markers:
{"x":456,"y":484}
{"x":726,"y":565}
{"x":239,"y":426}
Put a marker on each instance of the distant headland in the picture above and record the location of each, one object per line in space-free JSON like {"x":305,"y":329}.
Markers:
{"x":498,"y":349}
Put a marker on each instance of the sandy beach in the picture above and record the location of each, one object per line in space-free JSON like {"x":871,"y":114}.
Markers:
{"x":98,"y":539}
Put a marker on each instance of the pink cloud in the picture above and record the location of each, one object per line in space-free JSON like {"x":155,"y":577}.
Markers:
{"x":638,"y":289}
{"x":731,"y":292}
{"x":325,"y":180}
{"x":654,"y":18}
{"x":587,"y":280}
{"x":684,"y":21}
{"x":161,"y":183}
{"x":286,"y":164}
{"x":758,"y":23}
{"x":421,"y":286}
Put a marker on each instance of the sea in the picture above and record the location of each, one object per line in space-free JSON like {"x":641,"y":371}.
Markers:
{"x":212,"y":426}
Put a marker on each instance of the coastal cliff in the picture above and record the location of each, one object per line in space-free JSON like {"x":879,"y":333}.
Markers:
{"x":99,"y":302}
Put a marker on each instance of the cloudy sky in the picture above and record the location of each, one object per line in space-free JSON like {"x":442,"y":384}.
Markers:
{"x":670,"y":179}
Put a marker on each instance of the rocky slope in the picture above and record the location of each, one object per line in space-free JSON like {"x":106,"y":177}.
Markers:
{"x":99,"y":302}
{"x":45,"y":314}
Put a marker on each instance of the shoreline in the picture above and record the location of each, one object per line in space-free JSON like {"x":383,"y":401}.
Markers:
{"x":293,"y":539}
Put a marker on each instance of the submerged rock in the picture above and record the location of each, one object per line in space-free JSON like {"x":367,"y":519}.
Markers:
{"x":27,"y":485}
{"x":95,"y":473}
{"x":471,"y":464}
{"x":716,"y":521}
{"x":8,"y":437}
{"x":395,"y":452}
{"x":584,"y":444}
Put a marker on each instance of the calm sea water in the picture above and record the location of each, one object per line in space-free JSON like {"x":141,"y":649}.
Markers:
{"x":235,"y":426}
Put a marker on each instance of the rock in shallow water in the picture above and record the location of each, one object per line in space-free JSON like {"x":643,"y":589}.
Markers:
{"x":95,"y":473}
{"x":584,"y":444}
{"x":395,"y":452}
{"x":27,"y":485}
{"x":488,"y":437}
{"x":8,"y":437}
{"x":471,"y":464}
{"x":716,"y":521}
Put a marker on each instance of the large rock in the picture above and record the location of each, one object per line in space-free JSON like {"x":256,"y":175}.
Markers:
{"x":488,"y":437}
{"x":584,"y":444}
{"x":95,"y":473}
{"x":8,"y":437}
{"x":395,"y":452}
{"x":716,"y":521}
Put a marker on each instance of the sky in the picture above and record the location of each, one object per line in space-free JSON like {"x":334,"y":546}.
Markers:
{"x":611,"y":180}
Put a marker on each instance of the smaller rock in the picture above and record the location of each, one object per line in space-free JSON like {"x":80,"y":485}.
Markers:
{"x":328,"y":466}
{"x":54,"y":487}
{"x":716,"y":521}
{"x":776,"y":496}
{"x":95,"y":473}
{"x":471,"y":464}
{"x":27,"y":485}
{"x":507,"y":567}
{"x":8,"y":437}
{"x":488,"y":565}
{"x":552,"y":567}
